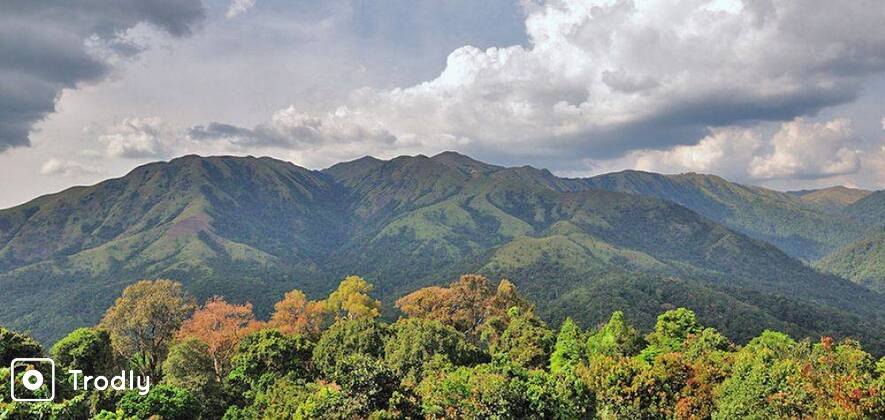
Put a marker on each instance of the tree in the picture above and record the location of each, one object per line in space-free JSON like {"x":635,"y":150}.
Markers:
{"x":165,"y":401}
{"x":567,"y":352}
{"x":615,"y":338}
{"x":221,"y":326}
{"x":415,"y":341}
{"x":465,"y":305}
{"x":143,"y":321}
{"x":264,"y":356}
{"x":189,"y":366}
{"x":671,"y":330}
{"x":296,"y":315}
{"x":352,"y":301}
{"x":521,"y":336}
{"x":14,"y":344}
{"x":356,"y":336}
{"x":86,"y":349}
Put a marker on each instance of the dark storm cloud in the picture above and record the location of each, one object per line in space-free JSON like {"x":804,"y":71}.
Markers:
{"x":43,"y":50}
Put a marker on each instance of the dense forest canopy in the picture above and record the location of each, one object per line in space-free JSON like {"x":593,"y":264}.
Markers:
{"x":472,"y":349}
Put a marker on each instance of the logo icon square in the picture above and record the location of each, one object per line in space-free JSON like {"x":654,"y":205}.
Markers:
{"x":33,"y":381}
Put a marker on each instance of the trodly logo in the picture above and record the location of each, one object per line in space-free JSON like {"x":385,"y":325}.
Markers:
{"x":33,"y":380}
{"x":37,"y":380}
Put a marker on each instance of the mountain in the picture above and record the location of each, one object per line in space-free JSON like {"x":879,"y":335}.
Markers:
{"x":794,"y":225}
{"x":862,"y":262}
{"x":252,"y":228}
{"x":833,"y":199}
{"x":868,"y":211}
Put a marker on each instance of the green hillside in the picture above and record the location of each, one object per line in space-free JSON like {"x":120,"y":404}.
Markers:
{"x":252,"y":228}
{"x":868,"y":211}
{"x":797,"y":227}
{"x":862,"y":262}
{"x":833,"y":199}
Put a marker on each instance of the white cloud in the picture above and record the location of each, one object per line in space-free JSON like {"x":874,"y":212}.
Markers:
{"x":139,"y":138}
{"x":55,"y":166}
{"x":809,"y":150}
{"x":799,"y":149}
{"x":238,"y":7}
{"x":602,"y":78}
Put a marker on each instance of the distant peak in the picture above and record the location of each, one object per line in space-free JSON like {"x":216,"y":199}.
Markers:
{"x":464,"y":163}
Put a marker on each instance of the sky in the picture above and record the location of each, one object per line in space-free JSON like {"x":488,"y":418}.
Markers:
{"x":786,"y":94}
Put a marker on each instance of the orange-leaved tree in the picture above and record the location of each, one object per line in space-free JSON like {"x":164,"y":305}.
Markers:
{"x":221,"y":326}
{"x":297,"y":315}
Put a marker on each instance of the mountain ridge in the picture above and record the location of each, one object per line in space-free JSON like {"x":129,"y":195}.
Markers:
{"x":252,"y":228}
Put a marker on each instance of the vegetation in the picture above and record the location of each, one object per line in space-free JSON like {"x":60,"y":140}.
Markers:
{"x":862,"y":262}
{"x":443,"y":360}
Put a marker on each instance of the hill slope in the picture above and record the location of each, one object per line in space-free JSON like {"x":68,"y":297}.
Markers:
{"x":250,"y":229}
{"x":793,"y":225}
{"x":862,"y":261}
{"x":833,"y":199}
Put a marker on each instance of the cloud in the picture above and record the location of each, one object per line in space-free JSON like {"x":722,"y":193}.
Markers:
{"x":50,"y":46}
{"x":137,"y":138}
{"x":599,"y":79}
{"x":809,"y":150}
{"x":238,"y":7}
{"x":291,"y":129}
{"x":55,"y":166}
{"x":799,"y":149}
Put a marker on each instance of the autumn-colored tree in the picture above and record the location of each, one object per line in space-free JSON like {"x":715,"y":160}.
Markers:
{"x":143,"y":321}
{"x":221,"y":326}
{"x":297,"y":315}
{"x":465,"y":305}
{"x":352,"y":301}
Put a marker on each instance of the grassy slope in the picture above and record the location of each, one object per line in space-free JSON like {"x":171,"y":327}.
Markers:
{"x":793,"y":225}
{"x":863,"y":261}
{"x":832,"y":200}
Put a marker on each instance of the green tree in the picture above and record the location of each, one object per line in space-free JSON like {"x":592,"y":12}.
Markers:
{"x":760,"y":378}
{"x":524,"y":338}
{"x":164,"y":401}
{"x":87,"y":349}
{"x":264,"y":356}
{"x":568,"y":350}
{"x":415,"y":341}
{"x":358,"y":336}
{"x":144,"y":320}
{"x":15,"y":344}
{"x":615,"y":338}
{"x":190,"y":367}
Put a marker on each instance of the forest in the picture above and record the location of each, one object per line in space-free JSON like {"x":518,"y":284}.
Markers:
{"x":472,"y":349}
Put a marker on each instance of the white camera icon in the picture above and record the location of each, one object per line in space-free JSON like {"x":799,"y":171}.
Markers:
{"x":33,"y":378}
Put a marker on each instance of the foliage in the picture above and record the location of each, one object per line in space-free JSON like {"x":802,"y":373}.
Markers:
{"x":165,"y":401}
{"x":416,"y":341}
{"x":522,"y":336}
{"x":190,"y":367}
{"x":357,"y":336}
{"x":352,"y":301}
{"x":615,"y":338}
{"x":294,"y":314}
{"x":567,"y":352}
{"x":221,"y":326}
{"x":465,"y":305}
{"x":144,"y":320}
{"x":15,"y":344}
{"x":266,"y":355}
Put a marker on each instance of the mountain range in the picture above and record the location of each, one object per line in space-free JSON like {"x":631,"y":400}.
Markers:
{"x":250,"y":229}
